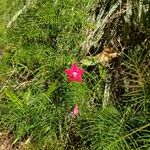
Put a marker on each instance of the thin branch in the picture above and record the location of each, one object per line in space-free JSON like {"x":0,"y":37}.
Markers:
{"x":106,"y":100}
{"x":18,"y":13}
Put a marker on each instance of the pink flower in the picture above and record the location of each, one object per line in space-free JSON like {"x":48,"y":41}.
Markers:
{"x":74,"y":73}
{"x":74,"y":111}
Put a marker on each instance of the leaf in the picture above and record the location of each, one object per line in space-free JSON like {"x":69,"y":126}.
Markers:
{"x":106,"y":55}
{"x":89,"y":61}
{"x":102,"y":71}
{"x":27,"y":97}
{"x":13,"y":98}
{"x":51,"y":89}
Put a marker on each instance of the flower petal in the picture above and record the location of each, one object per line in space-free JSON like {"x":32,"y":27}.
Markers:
{"x":74,"y":67}
{"x":69,"y":71}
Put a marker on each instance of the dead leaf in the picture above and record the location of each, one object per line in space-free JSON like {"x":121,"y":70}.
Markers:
{"x":104,"y":57}
{"x":107,"y":55}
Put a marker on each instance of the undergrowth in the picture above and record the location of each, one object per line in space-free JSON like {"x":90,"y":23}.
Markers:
{"x":40,"y":39}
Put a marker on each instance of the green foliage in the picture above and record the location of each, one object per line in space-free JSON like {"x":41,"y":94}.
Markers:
{"x":40,"y":39}
{"x":103,"y":129}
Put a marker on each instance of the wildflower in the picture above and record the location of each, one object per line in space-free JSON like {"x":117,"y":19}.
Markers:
{"x":74,"y":111}
{"x":74,"y":73}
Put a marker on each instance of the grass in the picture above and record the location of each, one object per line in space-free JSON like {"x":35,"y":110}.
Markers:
{"x":39,"y":42}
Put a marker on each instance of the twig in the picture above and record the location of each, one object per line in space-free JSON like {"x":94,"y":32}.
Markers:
{"x":106,"y":100}
{"x":14,"y":18}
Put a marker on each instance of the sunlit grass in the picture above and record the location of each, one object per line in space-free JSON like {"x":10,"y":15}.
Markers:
{"x":35,"y":95}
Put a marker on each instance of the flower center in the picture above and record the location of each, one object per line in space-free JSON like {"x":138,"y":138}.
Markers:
{"x":74,"y":74}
